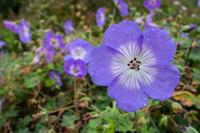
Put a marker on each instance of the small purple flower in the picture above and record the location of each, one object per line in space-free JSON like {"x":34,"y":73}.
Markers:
{"x":80,"y":49}
{"x":184,"y":35}
{"x":76,"y":68}
{"x":57,"y":77}
{"x":152,"y":4}
{"x":2,"y":43}
{"x":49,"y":53}
{"x":24,"y":31}
{"x":12,"y":26}
{"x":198,"y":3}
{"x":135,"y":65}
{"x":189,"y":28}
{"x":68,"y":26}
{"x":149,"y":19}
{"x":123,"y":8}
{"x":100,"y":17}
{"x":53,"y":40}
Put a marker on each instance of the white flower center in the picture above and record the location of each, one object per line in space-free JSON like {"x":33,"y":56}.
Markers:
{"x":75,"y":70}
{"x":55,"y":42}
{"x":134,"y":65}
{"x":152,"y":2}
{"x":78,"y":53}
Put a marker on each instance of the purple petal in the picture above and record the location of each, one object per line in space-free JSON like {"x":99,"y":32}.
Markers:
{"x":49,"y":53}
{"x":128,"y":99}
{"x":99,"y":65}
{"x":125,"y":32}
{"x":76,"y":68}
{"x":198,"y":3}
{"x":152,"y":4}
{"x":164,"y":83}
{"x":55,"y":41}
{"x":24,"y":31}
{"x":123,"y":8}
{"x":80,"y":49}
{"x":68,"y":26}
{"x":57,"y":77}
{"x":100,"y":17}
{"x":2,"y":43}
{"x":149,"y":20}
{"x":12,"y":26}
{"x":161,"y":44}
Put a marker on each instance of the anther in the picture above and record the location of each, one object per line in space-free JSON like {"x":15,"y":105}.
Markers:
{"x":134,"y":64}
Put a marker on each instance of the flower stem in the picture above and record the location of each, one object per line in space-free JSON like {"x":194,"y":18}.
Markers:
{"x":76,"y":96}
{"x":153,"y":123}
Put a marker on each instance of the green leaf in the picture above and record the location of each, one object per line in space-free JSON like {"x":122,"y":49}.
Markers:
{"x":68,"y":120}
{"x":191,"y":130}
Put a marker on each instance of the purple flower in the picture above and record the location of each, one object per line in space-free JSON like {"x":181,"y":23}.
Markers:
{"x":189,"y":28}
{"x":53,"y":40}
{"x":49,"y":53}
{"x":135,"y":65}
{"x":12,"y":26}
{"x":57,"y":77}
{"x":24,"y":31}
{"x":2,"y":43}
{"x":80,"y":49}
{"x":100,"y":17}
{"x":68,"y":26}
{"x":152,"y":4}
{"x":149,"y":19}
{"x":198,"y":3}
{"x":76,"y":68}
{"x":123,"y":8}
{"x":184,"y":35}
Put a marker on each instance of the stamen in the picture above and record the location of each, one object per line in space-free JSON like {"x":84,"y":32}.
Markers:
{"x":134,"y":64}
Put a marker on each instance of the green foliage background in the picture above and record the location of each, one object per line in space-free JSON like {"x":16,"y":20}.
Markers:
{"x":35,"y":104}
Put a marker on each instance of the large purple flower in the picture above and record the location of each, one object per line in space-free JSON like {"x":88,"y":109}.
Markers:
{"x":24,"y":31}
{"x":152,"y":4}
{"x":76,"y":68}
{"x":80,"y":49}
{"x":10,"y":25}
{"x":100,"y":17}
{"x":68,"y":26}
{"x":135,"y":65}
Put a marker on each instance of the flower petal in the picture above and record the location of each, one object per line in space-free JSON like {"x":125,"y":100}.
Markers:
{"x":76,"y":68}
{"x":128,"y":99}
{"x":24,"y":31}
{"x":100,"y":65}
{"x":164,"y":82}
{"x":80,"y":49}
{"x":126,"y":32}
{"x":161,"y":44}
